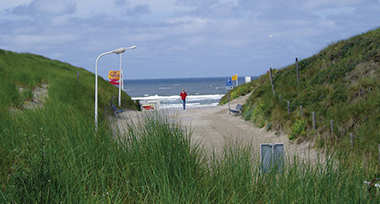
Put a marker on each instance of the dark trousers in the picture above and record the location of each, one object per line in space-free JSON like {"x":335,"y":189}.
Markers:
{"x":183,"y":104}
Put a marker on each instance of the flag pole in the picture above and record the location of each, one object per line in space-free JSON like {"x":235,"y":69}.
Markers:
{"x":122,"y":80}
{"x":237,"y":80}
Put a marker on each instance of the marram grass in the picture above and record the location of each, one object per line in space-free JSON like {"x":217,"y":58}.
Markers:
{"x":52,"y":158}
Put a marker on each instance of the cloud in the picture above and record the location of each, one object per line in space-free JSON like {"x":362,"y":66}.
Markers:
{"x":138,"y":10}
{"x":29,"y":40}
{"x":142,"y":9}
{"x":46,"y":8}
{"x":323,"y":4}
{"x":201,"y":38}
{"x":209,"y":8}
{"x":121,"y":2}
{"x":196,"y":3}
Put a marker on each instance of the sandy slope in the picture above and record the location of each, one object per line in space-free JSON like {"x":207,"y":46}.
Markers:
{"x":214,"y":126}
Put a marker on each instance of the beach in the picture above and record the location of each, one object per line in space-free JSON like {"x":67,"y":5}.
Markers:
{"x":202,"y":92}
{"x":214,"y":127}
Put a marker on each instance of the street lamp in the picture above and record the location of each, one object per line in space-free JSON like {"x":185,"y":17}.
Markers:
{"x":121,"y":82}
{"x":117,"y":51}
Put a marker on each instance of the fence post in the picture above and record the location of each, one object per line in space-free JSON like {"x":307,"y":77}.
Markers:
{"x":289,"y":107}
{"x":332,"y":127}
{"x":298,"y":72}
{"x":301,"y":111}
{"x":314,"y":121}
{"x":352,"y":140}
{"x":379,"y":152}
{"x":274,"y":92}
{"x":279,"y":97}
{"x":271,"y":80}
{"x":78,"y":76}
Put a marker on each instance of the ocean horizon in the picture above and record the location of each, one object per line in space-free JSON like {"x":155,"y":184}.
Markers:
{"x":202,"y":92}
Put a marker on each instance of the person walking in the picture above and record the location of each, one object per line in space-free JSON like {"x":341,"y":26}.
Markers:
{"x":183,"y":97}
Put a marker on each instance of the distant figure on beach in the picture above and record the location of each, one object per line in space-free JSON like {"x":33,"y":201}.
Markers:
{"x":183,"y":97}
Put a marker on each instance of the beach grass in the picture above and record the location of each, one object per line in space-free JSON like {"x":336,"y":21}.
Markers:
{"x":339,"y":85}
{"x":47,"y":157}
{"x":71,"y":85}
{"x":53,"y":154}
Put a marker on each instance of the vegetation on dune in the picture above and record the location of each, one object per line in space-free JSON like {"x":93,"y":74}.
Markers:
{"x":339,"y":84}
{"x":47,"y":157}
{"x":53,"y":154}
{"x":28,"y":71}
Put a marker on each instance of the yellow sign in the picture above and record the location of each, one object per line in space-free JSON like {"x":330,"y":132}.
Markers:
{"x":114,"y":75}
{"x":234,"y":77}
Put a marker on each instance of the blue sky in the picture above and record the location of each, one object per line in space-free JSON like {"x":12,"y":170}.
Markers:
{"x":182,"y":38}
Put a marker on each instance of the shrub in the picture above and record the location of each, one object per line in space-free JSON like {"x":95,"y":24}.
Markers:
{"x":319,"y":143}
{"x":258,"y":111}
{"x":247,"y":115}
{"x":269,"y":126}
{"x":298,"y":129}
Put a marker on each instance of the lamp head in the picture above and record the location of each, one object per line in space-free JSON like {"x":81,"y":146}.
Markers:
{"x":119,"y":50}
{"x":122,"y":49}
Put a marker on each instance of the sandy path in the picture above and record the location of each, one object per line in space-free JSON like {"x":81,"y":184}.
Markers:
{"x":213,"y":127}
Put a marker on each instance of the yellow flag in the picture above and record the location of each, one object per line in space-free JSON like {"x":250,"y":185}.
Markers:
{"x":114,"y":75}
{"x":234,"y":77}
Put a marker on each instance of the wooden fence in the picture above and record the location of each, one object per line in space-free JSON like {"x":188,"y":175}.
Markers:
{"x":351,"y":137}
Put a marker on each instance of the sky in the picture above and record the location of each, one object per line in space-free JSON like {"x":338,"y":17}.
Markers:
{"x":182,"y":38}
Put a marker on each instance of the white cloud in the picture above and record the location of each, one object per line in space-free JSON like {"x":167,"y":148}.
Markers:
{"x":323,"y":4}
{"x":46,"y":7}
{"x":137,"y":10}
{"x":10,"y":4}
{"x":210,"y":35}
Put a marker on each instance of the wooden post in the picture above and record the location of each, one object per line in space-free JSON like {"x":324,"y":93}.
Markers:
{"x":314,"y":121}
{"x":379,"y":152}
{"x":332,"y":127}
{"x":270,"y":76}
{"x":279,"y":97}
{"x":289,"y":107}
{"x":352,"y":140}
{"x":301,"y":111}
{"x":298,"y":72}
{"x":78,"y":76}
{"x":271,"y":80}
{"x":228,"y":97}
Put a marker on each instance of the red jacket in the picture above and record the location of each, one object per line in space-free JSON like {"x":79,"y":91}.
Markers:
{"x":183,"y":95}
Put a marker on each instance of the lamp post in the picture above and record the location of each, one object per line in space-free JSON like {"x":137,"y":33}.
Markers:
{"x":117,"y":51}
{"x":120,"y":79}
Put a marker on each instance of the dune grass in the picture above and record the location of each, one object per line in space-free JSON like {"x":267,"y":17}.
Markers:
{"x":338,"y":84}
{"x":51,"y":158}
{"x":27,"y":71}
{"x":54,"y":155}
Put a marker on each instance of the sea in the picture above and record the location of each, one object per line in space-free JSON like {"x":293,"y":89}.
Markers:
{"x":201,"y":92}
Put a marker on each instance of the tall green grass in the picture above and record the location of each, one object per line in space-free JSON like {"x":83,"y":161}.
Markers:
{"x":48,"y":157}
{"x":340,"y":83}
{"x":25,"y":70}
{"x":54,"y":155}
